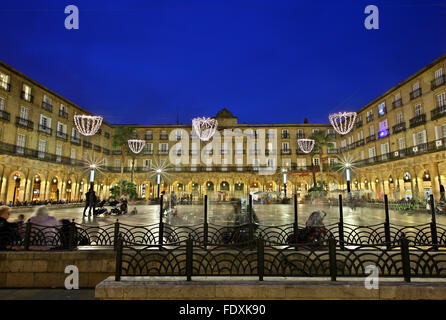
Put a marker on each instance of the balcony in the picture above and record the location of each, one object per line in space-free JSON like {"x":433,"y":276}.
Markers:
{"x":163,"y":152}
{"x":5,"y":86}
{"x":26,"y":96}
{"x":285,"y":135}
{"x":148,"y":151}
{"x":5,"y":116}
{"x":370,"y":138}
{"x":351,"y":146}
{"x":415,"y":94}
{"x":105,"y":151}
{"x":48,"y":107}
{"x":343,"y":149}
{"x":332,"y":151}
{"x":97,"y":148}
{"x":438,"y":82}
{"x":24,"y":123}
{"x":149,"y":137}
{"x":87,"y":144}
{"x":417,"y":120}
{"x":75,"y":140}
{"x":397,"y":103}
{"x":399,"y":127}
{"x":359,"y":123}
{"x":163,"y":136}
{"x":63,"y":114}
{"x":438,"y":112}
{"x":360,"y":142}
{"x":369,"y":118}
{"x":61,"y":135}
{"x":45,"y":129}
{"x":285,"y":151}
{"x":116,"y":152}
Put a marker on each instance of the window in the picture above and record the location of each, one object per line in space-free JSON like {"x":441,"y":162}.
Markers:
{"x":316,"y":161}
{"x":372,"y":130}
{"x":420,"y":137}
{"x":285,"y":146}
{"x":383,"y":129}
{"x":74,"y":133}
{"x":362,"y":155}
{"x":147,"y":163}
{"x":163,"y":147}
{"x":117,"y":163}
{"x":47,"y":99}
{"x":301,"y":162}
{"x":438,"y":73}
{"x":401,"y":143}
{"x":372,"y":152}
{"x":26,"y":92}
{"x":2,"y":104}
{"x":24,"y":113}
{"x":441,"y":100}
{"x":397,"y":97}
{"x":384,"y":150}
{"x":285,"y":133}
{"x":332,"y":161}
{"x":42,"y":148}
{"x":416,"y":86}
{"x":58,"y":152}
{"x":399,"y":118}
{"x":73,"y":153}
{"x":443,"y":131}
{"x":315,"y":130}
{"x":270,"y":162}
{"x":382,"y":109}
{"x":45,"y":122}
{"x":360,"y":135}
{"x":21,"y":139}
{"x":286,"y":163}
{"x":300,"y":133}
{"x":4,"y":81}
{"x":61,"y":127}
{"x":418,"y":110}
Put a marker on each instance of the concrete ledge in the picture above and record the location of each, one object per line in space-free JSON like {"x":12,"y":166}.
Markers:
{"x":203,"y":288}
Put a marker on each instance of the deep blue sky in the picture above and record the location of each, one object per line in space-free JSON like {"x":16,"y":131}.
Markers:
{"x":267,"y":61}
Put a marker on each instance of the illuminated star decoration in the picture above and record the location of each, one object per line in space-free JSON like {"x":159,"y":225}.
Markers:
{"x":161,"y":167}
{"x":345,"y":162}
{"x":205,"y":127}
{"x":136,"y":145}
{"x":342,"y":122}
{"x":306,"y":145}
{"x":87,"y":125}
{"x":93,"y":163}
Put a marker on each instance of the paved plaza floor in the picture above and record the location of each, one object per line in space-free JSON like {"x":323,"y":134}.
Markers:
{"x":272,"y":214}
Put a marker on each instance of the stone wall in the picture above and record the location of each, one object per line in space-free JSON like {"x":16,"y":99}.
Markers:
{"x":31,"y":269}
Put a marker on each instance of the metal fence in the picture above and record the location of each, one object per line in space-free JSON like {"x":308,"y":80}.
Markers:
{"x":255,"y":258}
{"x":71,"y":235}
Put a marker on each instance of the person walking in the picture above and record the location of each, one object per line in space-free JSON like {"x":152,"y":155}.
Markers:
{"x":90,"y":201}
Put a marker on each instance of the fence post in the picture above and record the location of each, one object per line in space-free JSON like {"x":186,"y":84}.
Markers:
{"x":332,"y":258}
{"x":118,"y":258}
{"x":71,"y":230}
{"x":295,"y":229}
{"x":251,"y":227}
{"x":341,"y":224}
{"x":116,"y":235}
{"x":205,"y":225}
{"x":27,"y":239}
{"x":433,"y":222}
{"x":189,"y":258}
{"x":387,"y":222}
{"x":161,"y":224}
{"x":405,"y":257}
{"x":260,"y":258}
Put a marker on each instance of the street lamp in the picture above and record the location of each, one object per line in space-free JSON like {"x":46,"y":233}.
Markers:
{"x":17,"y":182}
{"x":284,"y":172}
{"x":158,"y":180}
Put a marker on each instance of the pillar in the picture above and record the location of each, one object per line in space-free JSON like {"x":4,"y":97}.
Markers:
{"x":435,"y":180}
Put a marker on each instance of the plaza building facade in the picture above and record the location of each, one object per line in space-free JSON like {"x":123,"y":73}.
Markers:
{"x":397,"y":142}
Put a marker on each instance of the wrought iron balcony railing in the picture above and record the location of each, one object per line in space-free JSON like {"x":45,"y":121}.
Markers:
{"x":438,"y":112}
{"x":286,"y":151}
{"x":351,"y":146}
{"x":397,"y":103}
{"x":370,"y":138}
{"x":5,"y":116}
{"x":45,"y":129}
{"x":163,"y":152}
{"x":24,"y":123}
{"x":48,"y":107}
{"x":147,"y":151}
{"x":369,"y":118}
{"x":416,"y":93}
{"x":75,"y":140}
{"x":360,"y":142}
{"x":63,"y":114}
{"x":359,"y":124}
{"x":343,"y":149}
{"x":105,"y":151}
{"x":332,"y":151}
{"x":285,"y":135}
{"x":26,"y":96}
{"x":61,"y":135}
{"x":437,"y":82}
{"x":399,"y":127}
{"x":97,"y":148}
{"x":116,"y":152}
{"x":417,"y":120}
{"x":87,"y":144}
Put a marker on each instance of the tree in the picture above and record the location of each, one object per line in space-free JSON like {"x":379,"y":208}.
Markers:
{"x":119,"y":141}
{"x":128,"y":188}
{"x":321,"y":140}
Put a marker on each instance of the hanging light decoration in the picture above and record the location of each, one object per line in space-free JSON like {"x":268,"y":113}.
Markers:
{"x":136,"y":145}
{"x":87,"y":125}
{"x":343,"y":122}
{"x":205,"y":127}
{"x":306,"y":145}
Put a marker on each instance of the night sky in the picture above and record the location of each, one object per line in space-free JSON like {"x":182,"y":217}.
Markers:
{"x":144,"y":62}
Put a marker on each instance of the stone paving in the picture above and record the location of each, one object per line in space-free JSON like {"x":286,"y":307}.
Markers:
{"x":273,"y":214}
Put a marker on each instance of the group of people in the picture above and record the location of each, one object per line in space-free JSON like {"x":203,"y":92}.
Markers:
{"x":13,"y":232}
